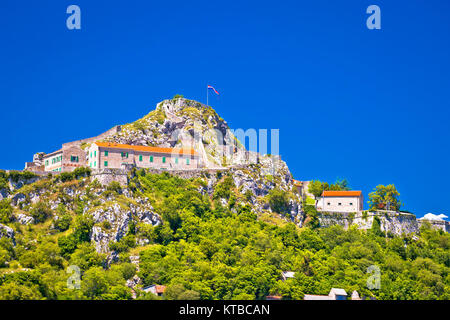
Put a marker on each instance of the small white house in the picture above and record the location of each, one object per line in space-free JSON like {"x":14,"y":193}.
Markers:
{"x":155,"y":289}
{"x":335,"y":294}
{"x":287,"y":275}
{"x":341,"y":201}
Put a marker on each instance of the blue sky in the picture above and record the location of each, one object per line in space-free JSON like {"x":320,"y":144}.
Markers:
{"x":371,"y":106}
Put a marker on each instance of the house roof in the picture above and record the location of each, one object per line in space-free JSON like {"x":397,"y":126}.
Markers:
{"x":338,"y":292}
{"x":341,"y":193}
{"x":52,"y":153}
{"x":158,"y":288}
{"x":316,"y":297}
{"x":274,"y":297}
{"x":190,"y":151}
{"x":288,"y":274}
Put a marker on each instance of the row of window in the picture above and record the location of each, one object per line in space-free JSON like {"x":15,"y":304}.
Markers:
{"x":74,"y":159}
{"x":141,"y":157}
{"x":59,"y":159}
{"x":56,"y":170}
{"x":339,"y":203}
{"x":54,"y":160}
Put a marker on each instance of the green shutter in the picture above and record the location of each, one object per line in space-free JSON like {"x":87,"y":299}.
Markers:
{"x":106,"y":153}
{"x":151,"y":158}
{"x":164,"y":159}
{"x":95,"y":153}
{"x":176,"y":160}
{"x":187,"y":160}
{"x":106,"y":163}
{"x":140,"y":157}
{"x":95,"y":164}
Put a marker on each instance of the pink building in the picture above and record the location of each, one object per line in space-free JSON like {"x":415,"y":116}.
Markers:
{"x":64,"y":160}
{"x":103,"y":155}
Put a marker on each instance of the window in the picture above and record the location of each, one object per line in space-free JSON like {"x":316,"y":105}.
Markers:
{"x":328,"y":203}
{"x":339,"y":204}
{"x":351,"y":203}
{"x":151,"y":158}
{"x":90,"y":164}
{"x":140,"y":157}
{"x":46,"y":163}
{"x":124,"y":154}
{"x":164,"y":159}
{"x":73,"y":158}
{"x":95,"y":153}
{"x":95,"y":164}
{"x":106,"y":163}
{"x":90,"y":156}
{"x":106,"y":153}
{"x":176,"y":160}
{"x":187,"y":161}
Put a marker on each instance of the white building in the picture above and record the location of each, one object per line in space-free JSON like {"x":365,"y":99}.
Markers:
{"x":341,"y":201}
{"x":335,"y":294}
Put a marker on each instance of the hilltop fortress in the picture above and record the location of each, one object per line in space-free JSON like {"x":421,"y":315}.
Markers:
{"x":179,"y":134}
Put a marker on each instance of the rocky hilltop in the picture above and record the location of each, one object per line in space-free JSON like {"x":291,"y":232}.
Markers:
{"x":181,"y":122}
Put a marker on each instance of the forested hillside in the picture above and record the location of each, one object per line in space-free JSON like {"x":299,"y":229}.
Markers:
{"x":200,"y":244}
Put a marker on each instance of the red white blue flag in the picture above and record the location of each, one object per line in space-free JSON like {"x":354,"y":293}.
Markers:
{"x":211,"y":87}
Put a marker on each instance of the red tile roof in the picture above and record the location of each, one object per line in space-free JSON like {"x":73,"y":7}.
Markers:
{"x":190,"y":151}
{"x":341,"y":193}
{"x":160,"y":289}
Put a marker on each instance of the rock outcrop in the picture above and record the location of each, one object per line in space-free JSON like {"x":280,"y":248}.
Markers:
{"x":7,"y":232}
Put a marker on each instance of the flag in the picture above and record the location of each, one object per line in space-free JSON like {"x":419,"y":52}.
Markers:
{"x":211,"y":87}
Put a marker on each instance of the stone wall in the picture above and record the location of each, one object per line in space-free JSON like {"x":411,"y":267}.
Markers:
{"x":106,"y":176}
{"x":394,"y":222}
{"x":437,"y":224}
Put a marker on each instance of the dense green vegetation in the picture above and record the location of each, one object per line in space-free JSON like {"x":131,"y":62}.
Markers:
{"x":385,"y":197}
{"x":205,"y":249}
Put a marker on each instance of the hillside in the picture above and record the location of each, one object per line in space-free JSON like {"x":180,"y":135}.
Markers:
{"x":221,"y":233}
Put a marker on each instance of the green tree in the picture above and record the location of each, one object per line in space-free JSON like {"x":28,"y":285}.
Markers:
{"x":385,"y":197}
{"x":40,"y":212}
{"x":278,"y":200}
{"x":6,"y":211}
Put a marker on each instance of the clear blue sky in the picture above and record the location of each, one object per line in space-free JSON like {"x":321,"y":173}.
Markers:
{"x":368,"y":105}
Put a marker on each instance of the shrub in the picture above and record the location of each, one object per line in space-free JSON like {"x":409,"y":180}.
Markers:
{"x":65,"y":176}
{"x":15,"y":176}
{"x":114,"y":186}
{"x":223,"y":189}
{"x":3,"y":180}
{"x":278,"y":201}
{"x":6,"y":211}
{"x":81,"y":172}
{"x":40,"y":212}
{"x":312,"y":219}
{"x":124,"y":244}
{"x":63,"y":223}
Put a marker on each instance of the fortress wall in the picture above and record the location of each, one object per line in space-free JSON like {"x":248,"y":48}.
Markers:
{"x":394,"y":222}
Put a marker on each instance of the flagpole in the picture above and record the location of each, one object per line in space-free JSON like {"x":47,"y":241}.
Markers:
{"x":206,"y":95}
